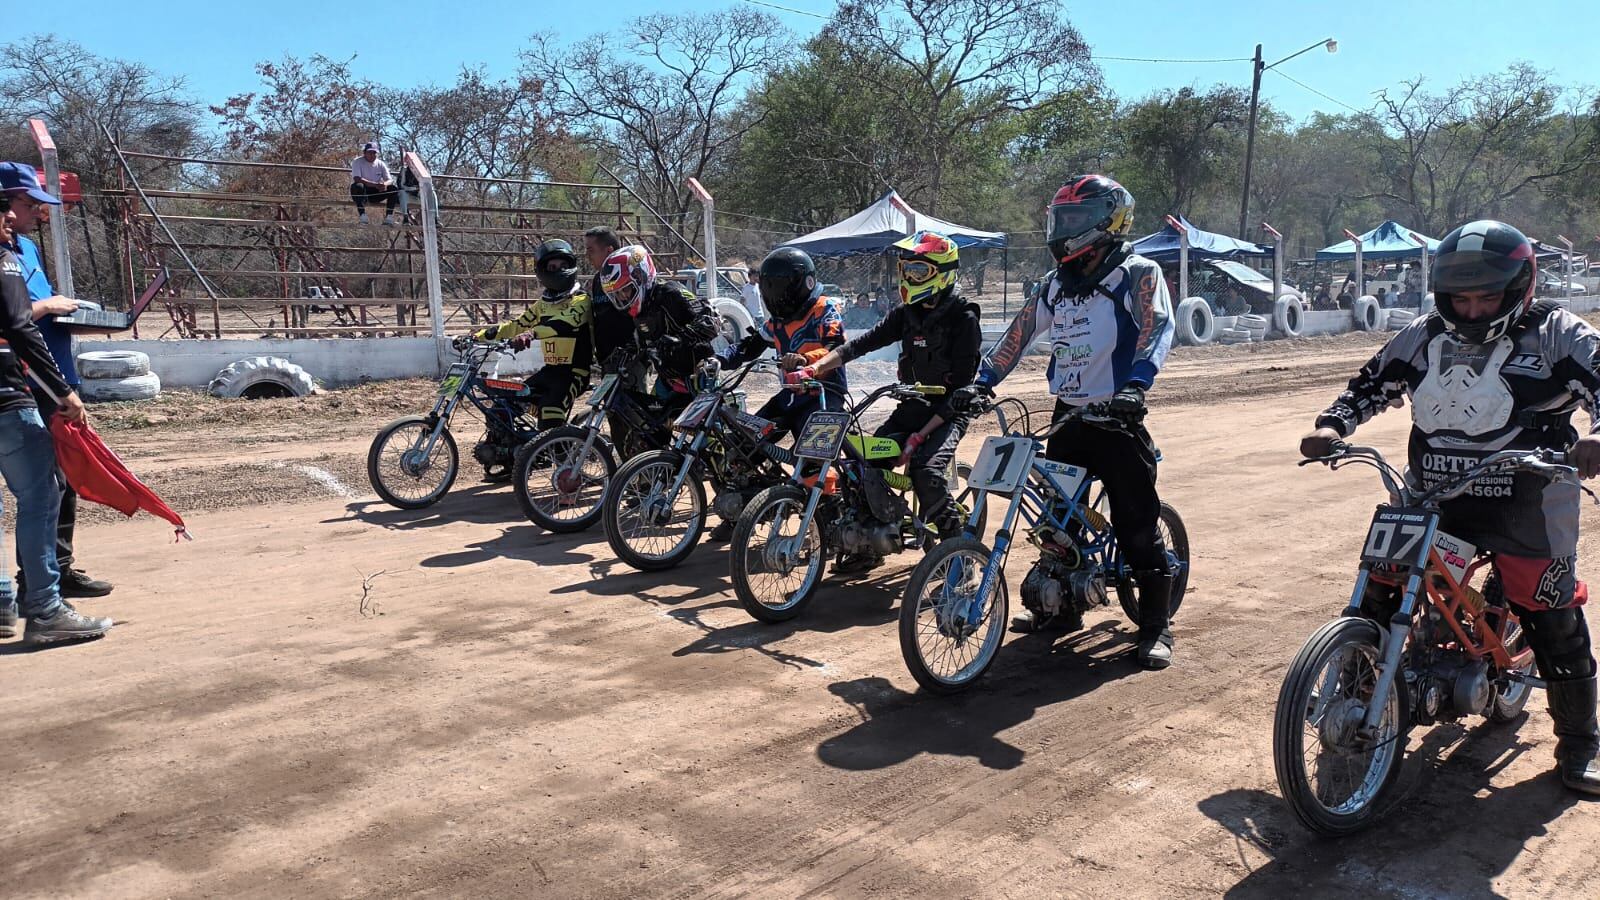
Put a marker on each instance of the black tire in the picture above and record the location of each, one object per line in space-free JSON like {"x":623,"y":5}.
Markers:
{"x":920,"y":619}
{"x":536,"y":488}
{"x":380,"y":471}
{"x":1176,"y":537}
{"x":757,"y":514}
{"x":1508,"y":703}
{"x":642,"y":468}
{"x":1358,"y":638}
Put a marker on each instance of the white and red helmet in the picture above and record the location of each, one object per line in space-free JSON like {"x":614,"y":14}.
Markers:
{"x":1484,"y":256}
{"x":1089,"y":211}
{"x":627,"y":276}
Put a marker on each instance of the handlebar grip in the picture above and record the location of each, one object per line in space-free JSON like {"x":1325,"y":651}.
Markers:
{"x":929,"y":390}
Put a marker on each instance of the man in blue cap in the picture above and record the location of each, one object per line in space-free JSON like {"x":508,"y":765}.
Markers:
{"x":29,"y":202}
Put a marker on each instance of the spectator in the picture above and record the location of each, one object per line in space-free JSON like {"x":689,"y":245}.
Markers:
{"x":28,"y":458}
{"x":861,"y":314}
{"x":750,"y":294}
{"x":370,"y":180}
{"x":1321,"y":300}
{"x":613,"y":328}
{"x":1383,"y":298}
{"x":1346,"y":298}
{"x":1413,"y":282}
{"x":29,"y":203}
{"x":883,"y":301}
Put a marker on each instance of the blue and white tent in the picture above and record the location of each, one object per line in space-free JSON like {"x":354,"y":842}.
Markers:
{"x":880,"y":225}
{"x":1387,"y":241}
{"x":1164,"y":245}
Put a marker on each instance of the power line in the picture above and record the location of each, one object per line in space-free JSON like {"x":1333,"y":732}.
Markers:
{"x":1317,"y":92}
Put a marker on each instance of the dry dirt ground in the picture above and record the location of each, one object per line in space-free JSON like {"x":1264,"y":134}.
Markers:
{"x":511,"y":713}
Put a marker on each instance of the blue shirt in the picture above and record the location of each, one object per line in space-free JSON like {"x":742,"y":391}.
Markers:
{"x":56,"y":336}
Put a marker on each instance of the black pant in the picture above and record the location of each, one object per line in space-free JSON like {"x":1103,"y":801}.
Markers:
{"x":554,"y":390}
{"x":790,"y":409}
{"x":929,"y":462}
{"x":361,"y":193}
{"x":1125,"y":462}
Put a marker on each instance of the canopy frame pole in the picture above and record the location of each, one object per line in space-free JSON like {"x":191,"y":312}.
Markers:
{"x":1361,"y":270}
{"x":710,"y":204}
{"x":1277,"y":260}
{"x":1183,"y":258}
{"x":1566,"y":267}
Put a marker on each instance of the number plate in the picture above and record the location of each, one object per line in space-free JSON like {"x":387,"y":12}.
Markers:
{"x":602,"y":390}
{"x":1064,"y":478}
{"x":1454,"y":553}
{"x":823,"y":435}
{"x":1001,"y":464}
{"x":1397,"y":536}
{"x":695,"y":414}
{"x":452,"y":379}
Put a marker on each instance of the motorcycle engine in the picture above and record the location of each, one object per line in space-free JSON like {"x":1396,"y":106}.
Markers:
{"x":495,"y":449}
{"x":1452,"y":687}
{"x":729,"y":504}
{"x":869,"y":536}
{"x":1062,"y":579}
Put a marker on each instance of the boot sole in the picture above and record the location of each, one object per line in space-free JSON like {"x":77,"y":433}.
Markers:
{"x":72,"y":638}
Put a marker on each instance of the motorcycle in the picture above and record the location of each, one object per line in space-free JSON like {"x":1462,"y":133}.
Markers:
{"x":655,"y":510}
{"x":413,"y":460}
{"x":1449,"y":649}
{"x":954,"y":614}
{"x":843,"y":498}
{"x":561,"y":476}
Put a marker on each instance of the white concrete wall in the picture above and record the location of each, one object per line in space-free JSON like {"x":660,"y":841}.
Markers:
{"x":334,"y":362}
{"x":1327,"y":321}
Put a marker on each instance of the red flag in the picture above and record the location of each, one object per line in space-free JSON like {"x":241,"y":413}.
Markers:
{"x":99,"y":475}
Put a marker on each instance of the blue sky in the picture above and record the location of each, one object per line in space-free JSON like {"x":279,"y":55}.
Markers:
{"x":214,"y":46}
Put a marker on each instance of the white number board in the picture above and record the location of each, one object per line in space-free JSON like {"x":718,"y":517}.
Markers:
{"x":1001,"y":464}
{"x":1396,"y":536}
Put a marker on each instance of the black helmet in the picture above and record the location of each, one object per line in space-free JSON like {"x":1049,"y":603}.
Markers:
{"x":556,"y":266}
{"x":1484,"y":256}
{"x":788,"y":282}
{"x":1089,"y":211}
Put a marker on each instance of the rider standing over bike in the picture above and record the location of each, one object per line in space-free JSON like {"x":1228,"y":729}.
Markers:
{"x":561,"y":320}
{"x":940,"y":343}
{"x":1489,"y":369}
{"x":1109,"y":318}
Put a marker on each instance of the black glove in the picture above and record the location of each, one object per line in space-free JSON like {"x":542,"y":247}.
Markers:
{"x":461,"y":342}
{"x":972,"y":398}
{"x":1126,"y":406}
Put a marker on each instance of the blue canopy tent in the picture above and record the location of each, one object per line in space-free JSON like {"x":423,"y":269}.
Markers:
{"x":1164,"y":245}
{"x":1387,"y":241}
{"x":874,"y":229}
{"x":1541,"y":250}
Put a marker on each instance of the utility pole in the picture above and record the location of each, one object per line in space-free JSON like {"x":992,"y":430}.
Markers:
{"x":1250,"y":142}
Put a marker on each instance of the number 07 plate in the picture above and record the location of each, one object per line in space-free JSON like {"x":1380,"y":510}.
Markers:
{"x":1002,"y":464}
{"x":1399,"y":535}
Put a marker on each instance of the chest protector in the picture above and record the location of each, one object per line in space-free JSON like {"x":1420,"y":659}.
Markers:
{"x":1463,"y":390}
{"x":928,"y":345}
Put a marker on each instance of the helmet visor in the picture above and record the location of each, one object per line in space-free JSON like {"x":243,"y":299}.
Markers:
{"x":1069,"y":220}
{"x":622,"y":297}
{"x":1471,"y":271}
{"x":779,"y":290}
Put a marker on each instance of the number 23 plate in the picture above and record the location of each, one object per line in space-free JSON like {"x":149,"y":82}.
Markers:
{"x":1397,"y":536}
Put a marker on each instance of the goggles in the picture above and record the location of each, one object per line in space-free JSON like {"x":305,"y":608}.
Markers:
{"x":920,"y":271}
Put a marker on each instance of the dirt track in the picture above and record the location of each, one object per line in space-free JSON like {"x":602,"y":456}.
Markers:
{"x":519,"y":715}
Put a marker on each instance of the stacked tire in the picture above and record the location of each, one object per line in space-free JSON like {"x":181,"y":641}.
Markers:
{"x":1256,"y":326}
{"x":110,"y":375}
{"x":1400,"y":318}
{"x":1195,"y":323}
{"x":1369,"y":315}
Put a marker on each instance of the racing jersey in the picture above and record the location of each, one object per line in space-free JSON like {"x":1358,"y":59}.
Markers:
{"x":816,"y":330}
{"x":939,"y":344}
{"x":678,"y":328}
{"x":562,"y":326}
{"x":1470,"y":400}
{"x":1117,"y":334}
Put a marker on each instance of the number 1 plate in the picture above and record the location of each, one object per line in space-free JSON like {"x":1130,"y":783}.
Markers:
{"x":1397,"y":536}
{"x":1001,"y":464}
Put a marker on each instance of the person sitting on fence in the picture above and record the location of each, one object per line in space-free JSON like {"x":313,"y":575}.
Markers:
{"x":370,"y":180}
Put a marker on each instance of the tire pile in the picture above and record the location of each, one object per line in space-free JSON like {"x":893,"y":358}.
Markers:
{"x":117,"y":375}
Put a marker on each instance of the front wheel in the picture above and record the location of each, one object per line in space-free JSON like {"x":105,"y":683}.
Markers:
{"x":1175,"y":538}
{"x":648,"y":529}
{"x":946,"y":644}
{"x":559,"y":487}
{"x":407,"y":467}
{"x":1335,"y":777}
{"x":775,"y":567}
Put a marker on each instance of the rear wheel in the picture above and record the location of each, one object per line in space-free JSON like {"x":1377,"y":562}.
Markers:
{"x":649,"y":530}
{"x":404,"y":470}
{"x":1337,"y":779}
{"x":561,"y":488}
{"x":775,"y":567}
{"x":947,"y":648}
{"x":1511,"y":697}
{"x":1175,"y":538}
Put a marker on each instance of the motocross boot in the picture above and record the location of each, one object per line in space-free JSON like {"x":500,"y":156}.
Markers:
{"x":1572,"y":707}
{"x":1155,"y":602}
{"x":1066,"y":621}
{"x":722,"y":533}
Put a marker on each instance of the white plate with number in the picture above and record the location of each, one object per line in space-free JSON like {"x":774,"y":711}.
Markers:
{"x":1002,"y":464}
{"x":1397,"y":536}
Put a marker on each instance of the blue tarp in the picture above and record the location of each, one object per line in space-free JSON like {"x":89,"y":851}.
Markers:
{"x":878,"y":226}
{"x":1163,"y":246}
{"x":1387,"y":241}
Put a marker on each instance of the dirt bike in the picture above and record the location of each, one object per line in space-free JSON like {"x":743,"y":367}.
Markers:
{"x":1449,"y":649}
{"x":954,"y":614}
{"x":843,"y":498}
{"x":561,"y":476}
{"x":413,"y":461}
{"x":655,"y":510}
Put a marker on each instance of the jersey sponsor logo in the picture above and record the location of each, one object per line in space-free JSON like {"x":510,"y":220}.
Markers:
{"x":1071,"y":353}
{"x":1528,"y":363}
{"x":1438,"y":468}
{"x":919,"y":341}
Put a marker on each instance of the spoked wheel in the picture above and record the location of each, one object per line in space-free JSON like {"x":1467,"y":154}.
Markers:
{"x":648,"y":529}
{"x":559,"y":487}
{"x":946,"y":644}
{"x":1336,"y":778}
{"x":775,"y":567}
{"x":1175,"y":538}
{"x":1511,"y":697}
{"x":405,"y":471}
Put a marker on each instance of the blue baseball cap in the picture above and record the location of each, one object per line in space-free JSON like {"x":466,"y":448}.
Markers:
{"x":20,"y":177}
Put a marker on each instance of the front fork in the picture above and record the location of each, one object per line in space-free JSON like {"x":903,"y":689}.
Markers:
{"x":995,"y":568}
{"x":660,"y":505}
{"x":443,"y":409}
{"x":1391,"y":649}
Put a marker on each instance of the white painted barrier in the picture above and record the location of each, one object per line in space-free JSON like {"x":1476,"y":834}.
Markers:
{"x":331,"y":361}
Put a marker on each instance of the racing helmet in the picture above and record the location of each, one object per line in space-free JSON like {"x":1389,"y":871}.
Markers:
{"x":1089,"y":211}
{"x":627,"y":276}
{"x":788,"y":282}
{"x":556,"y":266}
{"x":928,"y":264}
{"x":1484,"y":256}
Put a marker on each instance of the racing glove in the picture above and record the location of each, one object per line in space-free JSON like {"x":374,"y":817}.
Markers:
{"x":972,"y":398}
{"x":1126,"y":406}
{"x":802,"y":374}
{"x":522,"y":341}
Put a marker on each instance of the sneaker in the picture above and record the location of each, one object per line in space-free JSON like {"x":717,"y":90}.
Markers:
{"x":1156,"y":652}
{"x":389,"y":219}
{"x":364,"y":219}
{"x":722,"y":533}
{"x":8,"y":621}
{"x":1061,"y":623}
{"x":77,"y":583}
{"x":66,"y":625}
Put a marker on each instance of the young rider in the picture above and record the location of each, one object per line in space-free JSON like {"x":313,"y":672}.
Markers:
{"x":560,"y":319}
{"x":1109,"y":319}
{"x":940,"y":342}
{"x":1492,"y":370}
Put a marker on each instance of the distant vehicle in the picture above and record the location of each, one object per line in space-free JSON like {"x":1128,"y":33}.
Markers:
{"x":1551,"y":285}
{"x":730,"y":281}
{"x":1220,"y":278}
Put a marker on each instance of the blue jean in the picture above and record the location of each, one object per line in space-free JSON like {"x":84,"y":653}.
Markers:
{"x":28,"y":464}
